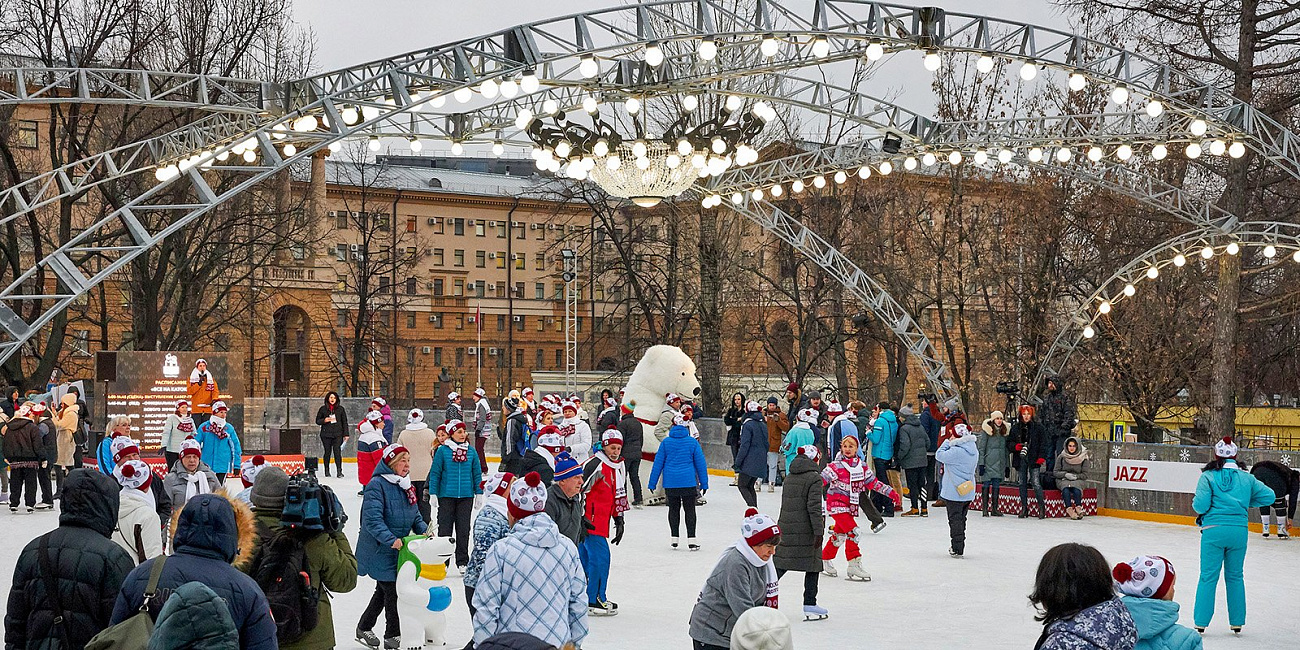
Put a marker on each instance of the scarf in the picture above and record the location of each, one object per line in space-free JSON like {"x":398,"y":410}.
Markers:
{"x":459,"y":450}
{"x":747,"y":552}
{"x":497,"y":503}
{"x":621,"y":504}
{"x":546,"y":453}
{"x":217,"y":426}
{"x":196,"y":483}
{"x":196,"y":378}
{"x":857,"y":473}
{"x":403,"y":482}
{"x":186,"y":425}
{"x":145,"y":494}
{"x":1078,"y":457}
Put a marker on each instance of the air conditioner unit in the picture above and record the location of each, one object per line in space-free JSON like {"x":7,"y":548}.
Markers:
{"x":519,"y":319}
{"x":332,"y":213}
{"x":426,"y":350}
{"x":472,"y":351}
{"x":492,"y":224}
{"x":492,"y":352}
{"x":471,"y":286}
{"x":354,"y":247}
{"x":433,"y":221}
{"x":473,"y":319}
{"x":428,"y":252}
{"x":552,"y":227}
{"x":492,"y":256}
{"x":433,"y":318}
{"x":471,"y":223}
{"x":492,"y":288}
{"x":516,"y":224}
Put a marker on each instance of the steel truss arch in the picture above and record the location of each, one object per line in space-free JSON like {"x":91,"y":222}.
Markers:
{"x":71,"y":85}
{"x":1284,"y":237}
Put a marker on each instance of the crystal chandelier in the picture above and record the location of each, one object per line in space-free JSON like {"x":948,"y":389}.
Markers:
{"x":640,"y":167}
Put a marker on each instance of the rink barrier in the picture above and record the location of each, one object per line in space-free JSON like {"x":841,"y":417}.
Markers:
{"x":1009,"y":501}
{"x":290,"y":464}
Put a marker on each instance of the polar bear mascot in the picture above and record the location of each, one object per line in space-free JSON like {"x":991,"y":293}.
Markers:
{"x":421,"y":604}
{"x":663,"y":369}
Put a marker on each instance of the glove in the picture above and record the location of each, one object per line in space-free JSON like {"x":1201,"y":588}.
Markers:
{"x":980,"y":470}
{"x":618,"y":531}
{"x":898,"y":500}
{"x":1042,"y":462}
{"x":478,"y":501}
{"x":588,"y":525}
{"x":1071,"y":476}
{"x":1020,"y":446}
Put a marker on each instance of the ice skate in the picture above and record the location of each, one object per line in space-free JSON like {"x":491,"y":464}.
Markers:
{"x":875,"y":528}
{"x":691,"y":544}
{"x":1200,"y":630}
{"x":828,"y":569}
{"x":44,"y":506}
{"x":954,"y":553}
{"x":1282,"y":534}
{"x":1265,"y":532}
{"x":367,"y":638}
{"x":675,"y":541}
{"x":814,"y":613}
{"x":1236,"y":630}
{"x":600,"y":609}
{"x":855,"y":572}
{"x":771,"y":488}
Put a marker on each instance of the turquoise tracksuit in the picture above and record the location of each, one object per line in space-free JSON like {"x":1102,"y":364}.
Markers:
{"x":799,"y":435}
{"x":1225,"y":497}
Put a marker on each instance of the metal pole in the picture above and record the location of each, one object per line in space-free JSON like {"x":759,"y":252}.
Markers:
{"x":570,"y":277}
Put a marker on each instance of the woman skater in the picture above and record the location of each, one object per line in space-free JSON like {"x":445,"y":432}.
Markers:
{"x":803,"y":522}
{"x":744,"y":578}
{"x":333,"y":422}
{"x":1224,"y":496}
{"x":733,"y":419}
{"x":680,"y":460}
{"x":388,"y":513}
{"x":846,"y":478}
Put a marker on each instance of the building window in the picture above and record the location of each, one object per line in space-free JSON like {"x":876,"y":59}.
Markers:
{"x":501,"y":259}
{"x":27,"y":135}
{"x":437,"y":286}
{"x":460,"y":321}
{"x":437,"y":257}
{"x":519,"y":357}
{"x":480,"y":228}
{"x":81,"y":343}
{"x":343,"y":318}
{"x":458,"y":287}
{"x":541,"y":359}
{"x":410,"y":224}
{"x":541,"y":231}
{"x":579,"y":324}
{"x":559,"y":360}
{"x":410,"y":287}
{"x":501,"y":322}
{"x":458,"y":257}
{"x":480,"y":259}
{"x":341,"y":252}
{"x":599,"y":292}
{"x":460,"y":357}
{"x":439,"y":226}
{"x":559,"y":291}
{"x":458,"y":226}
{"x":521,"y":261}
{"x":501,"y":229}
{"x":501,"y":290}
{"x":540,"y":289}
{"x":480,"y":288}
{"x":410,"y":358}
{"x":410,"y":322}
{"x":382,"y":221}
{"x":437,"y":321}
{"x":519,"y":227}
{"x":519,"y":290}
{"x":437,"y":356}
{"x":519,"y":323}
{"x":541,"y":324}
{"x":539,"y":262}
{"x":410,"y":389}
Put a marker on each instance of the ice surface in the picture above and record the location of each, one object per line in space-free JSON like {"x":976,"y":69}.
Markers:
{"x":918,"y":597}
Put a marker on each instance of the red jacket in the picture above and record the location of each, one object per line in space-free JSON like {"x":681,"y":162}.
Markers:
{"x":605,"y":499}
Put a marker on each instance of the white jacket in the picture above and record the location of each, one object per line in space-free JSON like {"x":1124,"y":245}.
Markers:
{"x":577,"y":437}
{"x":135,"y":512}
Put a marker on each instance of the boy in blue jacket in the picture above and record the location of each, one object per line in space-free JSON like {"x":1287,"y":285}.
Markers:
{"x":1147,"y":582}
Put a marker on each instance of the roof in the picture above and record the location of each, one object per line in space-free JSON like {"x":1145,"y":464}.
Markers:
{"x":426,"y":179}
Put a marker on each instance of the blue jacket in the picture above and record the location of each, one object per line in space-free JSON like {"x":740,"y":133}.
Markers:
{"x":1157,"y":625}
{"x":799,"y":435}
{"x":931,"y":426}
{"x":883,"y":434}
{"x":680,"y":461}
{"x":104,"y":455}
{"x":751,"y":458}
{"x":450,"y":479}
{"x":223,"y":456}
{"x":490,"y":526}
{"x":1224,"y":495}
{"x":959,"y":457}
{"x":841,"y":428}
{"x":386,"y":515}
{"x":208,"y":538}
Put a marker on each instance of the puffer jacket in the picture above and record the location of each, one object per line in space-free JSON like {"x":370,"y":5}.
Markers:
{"x":1224,"y":496}
{"x":194,"y":618}
{"x":138,"y":520}
{"x":884,"y":431}
{"x":959,"y":457}
{"x":221,"y":448}
{"x":532,"y":581}
{"x":338,"y":428}
{"x":386,"y":515}
{"x":801,"y":520}
{"x":177,"y":480}
{"x":680,"y":461}
{"x":1104,"y":626}
{"x":913,"y":443}
{"x":993,"y":450}
{"x":844,"y":425}
{"x":89,"y":568}
{"x":798,"y":436}
{"x":751,"y":459}
{"x":451,"y":479}
{"x":213,"y":532}
{"x":1071,"y":473}
{"x":1157,"y":625}
{"x":23,"y":441}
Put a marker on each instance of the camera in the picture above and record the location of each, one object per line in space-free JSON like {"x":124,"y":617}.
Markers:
{"x":927,"y":398}
{"x":1008,"y":387}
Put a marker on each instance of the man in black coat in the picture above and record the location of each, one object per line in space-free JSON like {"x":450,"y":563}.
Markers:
{"x":1057,"y":414}
{"x":25,"y":451}
{"x":85,"y":563}
{"x":633,"y":433}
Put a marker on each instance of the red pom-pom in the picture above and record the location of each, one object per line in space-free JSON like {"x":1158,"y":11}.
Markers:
{"x":1122,"y":572}
{"x":533,"y":479}
{"x":259,"y":460}
{"x":1227,"y":440}
{"x":750,"y":512}
{"x":128,"y":471}
{"x":189,"y":437}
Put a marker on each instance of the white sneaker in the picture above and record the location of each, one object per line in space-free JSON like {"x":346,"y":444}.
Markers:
{"x":828,"y":569}
{"x":856,"y":572}
{"x":771,"y":488}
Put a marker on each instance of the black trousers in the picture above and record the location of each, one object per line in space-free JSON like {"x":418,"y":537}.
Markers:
{"x":22,"y":479}
{"x":469,"y":601}
{"x":932,"y":473}
{"x":700,"y":645}
{"x":634,"y":476}
{"x":221,"y":478}
{"x":882,"y":502}
{"x":422,"y":500}
{"x":916,"y":487}
{"x":869,"y":509}
{"x":456,"y":512}
{"x":809,"y":585}
{"x":957,"y":524}
{"x":680,"y":499}
{"x":384,"y":600}
{"x":745,"y":483}
{"x":171,"y":457}
{"x":333,"y":446}
{"x":43,"y":480}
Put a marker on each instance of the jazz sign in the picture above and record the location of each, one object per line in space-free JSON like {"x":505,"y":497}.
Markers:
{"x":1154,"y":475}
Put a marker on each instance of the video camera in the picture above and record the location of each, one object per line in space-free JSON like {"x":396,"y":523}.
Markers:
{"x":1008,"y":387}
{"x":927,"y":398}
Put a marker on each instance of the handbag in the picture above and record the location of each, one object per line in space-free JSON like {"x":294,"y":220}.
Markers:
{"x":965,"y":487}
{"x":132,"y":633}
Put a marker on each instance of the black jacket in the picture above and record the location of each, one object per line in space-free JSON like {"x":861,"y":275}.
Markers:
{"x":1283,"y":480}
{"x":1029,"y":442}
{"x":88,"y":566}
{"x":1058,"y":412}
{"x":801,"y":520}
{"x":733,"y":419}
{"x":23,"y":443}
{"x":512,"y":454}
{"x":535,"y":462}
{"x":567,"y":514}
{"x":607,"y":418}
{"x":633,"y":436}
{"x":337,"y":429}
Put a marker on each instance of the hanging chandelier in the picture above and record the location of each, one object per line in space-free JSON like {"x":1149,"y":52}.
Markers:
{"x":643,"y":168}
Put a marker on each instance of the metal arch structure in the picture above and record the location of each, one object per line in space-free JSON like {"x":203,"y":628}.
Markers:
{"x":1284,"y":237}
{"x":70,"y":85}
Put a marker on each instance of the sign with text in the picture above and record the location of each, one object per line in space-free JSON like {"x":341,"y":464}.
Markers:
{"x":1154,"y":475}
{"x":149,"y":383}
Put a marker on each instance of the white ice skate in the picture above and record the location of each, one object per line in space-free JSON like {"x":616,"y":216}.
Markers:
{"x":814,"y":613}
{"x":856,"y":572}
{"x":828,"y":569}
{"x":601,"y":609}
{"x":675,"y":540}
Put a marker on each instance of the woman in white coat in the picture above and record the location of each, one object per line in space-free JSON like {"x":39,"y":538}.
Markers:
{"x":576,"y":432}
{"x":139,"y":530}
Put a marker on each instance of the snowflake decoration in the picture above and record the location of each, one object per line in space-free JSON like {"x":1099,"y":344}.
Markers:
{"x":1133,"y":500}
{"x":1114,"y":451}
{"x":1286,"y":460}
{"x":1184,"y":455}
{"x":1152,"y":456}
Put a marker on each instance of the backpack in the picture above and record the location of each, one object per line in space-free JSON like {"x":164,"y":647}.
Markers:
{"x":302,"y":504}
{"x":332,"y":515}
{"x":280,"y":569}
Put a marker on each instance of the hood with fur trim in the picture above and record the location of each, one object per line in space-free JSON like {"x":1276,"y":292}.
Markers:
{"x":218,"y":526}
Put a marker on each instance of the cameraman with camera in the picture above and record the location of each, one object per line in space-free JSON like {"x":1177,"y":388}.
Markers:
{"x":932,"y":423}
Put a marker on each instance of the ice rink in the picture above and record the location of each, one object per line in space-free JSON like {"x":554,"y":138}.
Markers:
{"x":918,"y":597}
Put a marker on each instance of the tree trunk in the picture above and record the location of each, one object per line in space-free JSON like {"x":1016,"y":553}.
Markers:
{"x":710,"y":314}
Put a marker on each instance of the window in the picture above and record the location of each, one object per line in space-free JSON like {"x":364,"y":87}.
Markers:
{"x":519,"y":323}
{"x":501,"y":290}
{"x":540,"y":289}
{"x":501,"y":229}
{"x":437,"y":257}
{"x":458,"y":226}
{"x":519,"y":290}
{"x":501,"y":322}
{"x":439,"y":226}
{"x":81,"y":343}
{"x":519,"y":357}
{"x":559,"y":359}
{"x":539,"y":262}
{"x":559,"y":291}
{"x":460,"y":321}
{"x":341,"y":220}
{"x":410,"y":253}
{"x":410,"y":324}
{"x":458,"y":287}
{"x":541,"y":231}
{"x":579,"y":323}
{"x":519,"y":227}
{"x":480,"y":288}
{"x":521,"y":261}
{"x":384,"y":283}
{"x":410,"y":227}
{"x":437,"y":320}
{"x":381,"y":221}
{"x":480,"y":228}
{"x":27,"y":135}
{"x":437,"y":286}
{"x":341,"y":285}
{"x":599,"y":292}
{"x":501,"y":259}
{"x":341,"y":252}
{"x":460,"y":356}
{"x":410,"y":386}
{"x":437,"y":356}
{"x":597,"y":323}
{"x":343,"y":318}
{"x":410,"y":287}
{"x":541,"y":324}
{"x":458,"y":257}
{"x":541,"y":359}
{"x":480,"y":259}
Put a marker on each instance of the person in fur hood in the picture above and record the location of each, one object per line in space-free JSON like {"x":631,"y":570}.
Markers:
{"x":993,"y":454}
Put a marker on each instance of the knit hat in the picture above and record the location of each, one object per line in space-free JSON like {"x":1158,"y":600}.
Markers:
{"x":453,"y":425}
{"x":219,"y":406}
{"x":391,"y":452}
{"x":552,"y":407}
{"x":527,"y":497}
{"x":566,"y":466}
{"x":611,"y":436}
{"x":960,"y":430}
{"x":122,"y":446}
{"x":669,"y":398}
{"x":249,"y":469}
{"x":451,"y":397}
{"x":771,"y":400}
{"x":528,"y":390}
{"x":811,"y":452}
{"x":951,"y":404}
{"x":627,"y":407}
{"x":550,"y":438}
{"x":379,"y":401}
{"x":1225,"y":448}
{"x":808,"y":415}
{"x":682,"y":419}
{"x":906,"y":411}
{"x":1145,"y":576}
{"x":752,"y":405}
{"x":758,"y":528}
{"x":182,"y":402}
{"x":270,"y":487}
{"x":480,"y":392}
{"x":374,"y":416}
{"x":133,"y":474}
{"x":996,"y":415}
{"x":570,"y":406}
{"x":498,"y":483}
{"x":833,"y":408}
{"x":793,"y":387}
{"x":415,"y":415}
{"x":191,"y":446}
{"x":761,"y":628}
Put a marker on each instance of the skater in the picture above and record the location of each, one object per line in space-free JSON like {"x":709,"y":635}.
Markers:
{"x":959,"y":457}
{"x":802,"y":523}
{"x":118,"y":426}
{"x":604,"y":489}
{"x":680,"y":461}
{"x":993,"y":460}
{"x":190,"y":476}
{"x":883,"y":436}
{"x":541,"y":459}
{"x":1071,"y":475}
{"x":138,"y":531}
{"x":386,"y":414}
{"x":482,"y":427}
{"x":733,"y":418}
{"x":388,"y":513}
{"x":1285,"y":483}
{"x":914,"y":458}
{"x":453,"y":407}
{"x":455,"y":478}
{"x":332,"y":419}
{"x":564,"y":499}
{"x":370,"y":446}
{"x":221,"y":449}
{"x":846,"y":478}
{"x":576,"y":432}
{"x":124,"y":449}
{"x":515,"y":442}
{"x":633,"y":434}
{"x":799,"y":435}
{"x":1224,"y":496}
{"x":751,"y":454}
{"x":1147,"y":585}
{"x":180,"y":425}
{"x":420,"y":440}
{"x":1030,"y":443}
{"x":1075,"y":597}
{"x":49,"y":453}
{"x":23,"y":449}
{"x":203,"y":393}
{"x":743,"y":578}
{"x":777,"y":426}
{"x":490,"y":526}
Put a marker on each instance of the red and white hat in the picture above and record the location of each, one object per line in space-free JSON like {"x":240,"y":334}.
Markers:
{"x":374,"y":416}
{"x":570,"y":406}
{"x":414,"y":415}
{"x":811,"y":452}
{"x":379,"y":401}
{"x":122,"y":446}
{"x":182,"y":402}
{"x":528,"y":390}
{"x":442,"y":428}
{"x":752,"y":405}
{"x":498,"y":483}
{"x":758,"y":528}
{"x":672,"y":397}
{"x":454,"y":424}
{"x":219,"y":406}
{"x":960,"y":430}
{"x":480,"y":392}
{"x":39,"y":408}
{"x":191,"y":446}
{"x":451,"y":397}
{"x":527,"y":497}
{"x":1225,"y":448}
{"x":133,"y":474}
{"x":550,"y":438}
{"x":611,"y":436}
{"x":808,"y":415}
{"x":391,"y":452}
{"x":1145,"y":576}
{"x":249,"y":469}
{"x":833,"y":408}
{"x":682,"y":419}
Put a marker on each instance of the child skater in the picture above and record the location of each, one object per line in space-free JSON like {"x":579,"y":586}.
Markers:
{"x":802,"y":523}
{"x":743,"y":578}
{"x":604,"y":482}
{"x":959,"y":456}
{"x":846,"y":478}
{"x":370,"y":445}
{"x":1147,"y":585}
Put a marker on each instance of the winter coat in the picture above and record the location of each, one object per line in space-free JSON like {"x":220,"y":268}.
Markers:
{"x":452,"y":480}
{"x":330,"y":564}
{"x":1104,"y":626}
{"x":177,"y":480}
{"x":1029,"y":443}
{"x":567,"y":513}
{"x":845,"y":425}
{"x":194,"y":618}
{"x":213,"y":532}
{"x":680,"y":461}
{"x":633,"y":433}
{"x":777,"y":426}
{"x":453,"y":412}
{"x":733,"y":587}
{"x":959,"y":457}
{"x":1058,"y":411}
{"x":66,"y":423}
{"x":23,"y":441}
{"x":490,"y":526}
{"x":600,"y":493}
{"x":884,"y":431}
{"x":665,"y":423}
{"x":201,"y":396}
{"x":733,"y":419}
{"x":1064,"y":469}
{"x":223,"y":455}
{"x":370,"y":450}
{"x":950,"y":426}
{"x":516,"y":443}
{"x":172,"y":436}
{"x":338,"y":428}
{"x":137,"y":519}
{"x":577,"y":437}
{"x":801,"y":520}
{"x":1224,"y":496}
{"x":799,"y":435}
{"x":1157,"y":625}
{"x":913,"y":443}
{"x":1278,"y":477}
{"x":993,"y":450}
{"x":104,"y":456}
{"x":386,"y":515}
{"x":533,"y":582}
{"x":534,"y":461}
{"x":751,"y":459}
{"x":932,"y":422}
{"x":49,"y":439}
{"x":89,"y":568}
{"x":418,"y":439}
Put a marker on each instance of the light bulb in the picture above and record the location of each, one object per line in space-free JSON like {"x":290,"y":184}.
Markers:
{"x":1270,"y":251}
{"x":1193,"y":150}
{"x":984,"y":64}
{"x":931,"y":61}
{"x":1119,"y":95}
{"x":1233,"y":248}
{"x":909,"y":163}
{"x":1035,"y":154}
{"x":875,"y":51}
{"x":509,"y":88}
{"x":563,"y":149}
{"x":588,"y":67}
{"x":1207,"y":252}
{"x":797,"y":187}
{"x":1296,"y":256}
{"x":250,"y":156}
{"x":1005,"y":156}
{"x":1198,"y":127}
{"x":524,"y":118}
{"x":1153,"y":272}
{"x":769,"y":46}
{"x":462,"y":94}
{"x":776,"y":190}
{"x":643,"y":163}
{"x":373,"y":144}
{"x":1180,"y":260}
{"x":737,"y":198}
{"x":819,"y":181}
{"x":864,"y":172}
{"x":1218,"y":147}
{"x":225,"y":155}
{"x":590,"y":104}
{"x":369,"y":112}
{"x":290,"y":150}
{"x":707,"y":50}
{"x":489,"y":88}
{"x":928,"y":159}
{"x":1130,"y":290}
{"x":718,"y":145}
{"x":690,"y":103}
{"x":612,"y":163}
{"x":981,"y":157}
{"x":1063,"y":154}
{"x":760,"y":110}
{"x":1077,"y":81}
{"x":886,"y":167}
{"x":632,"y":105}
{"x":498,"y":148}
{"x":1159,"y":152}
{"x":278,"y":133}
{"x":954,"y":158}
{"x":601,"y":148}
{"x":757,"y":194}
{"x":161,"y":174}
{"x":1236,"y":150}
{"x":1095,"y":153}
{"x":550,"y":106}
{"x":529,"y":83}
{"x":1155,"y":108}
{"x":684,"y":147}
{"x":733,"y":103}
{"x":639,"y":149}
{"x":1028,"y":71}
{"x":698,"y":161}
{"x":840,"y":177}
{"x":457,"y":148}
{"x":415,"y":145}
{"x":653,"y":55}
{"x":306,"y":123}
{"x":349,"y":115}
{"x":1124,"y":152}
{"x":1088,"y":332}
{"x":1104,"y":307}
{"x":820,"y":47}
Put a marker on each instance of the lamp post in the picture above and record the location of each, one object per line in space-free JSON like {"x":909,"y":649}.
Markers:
{"x":570,"y":277}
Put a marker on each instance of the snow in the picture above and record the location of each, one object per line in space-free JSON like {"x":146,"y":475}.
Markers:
{"x":918,"y":596}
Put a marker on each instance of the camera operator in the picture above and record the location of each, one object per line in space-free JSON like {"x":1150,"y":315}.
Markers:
{"x":932,"y":422}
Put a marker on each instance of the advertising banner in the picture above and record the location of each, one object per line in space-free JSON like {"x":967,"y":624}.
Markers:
{"x":149,"y":383}
{"x":1153,"y":475}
